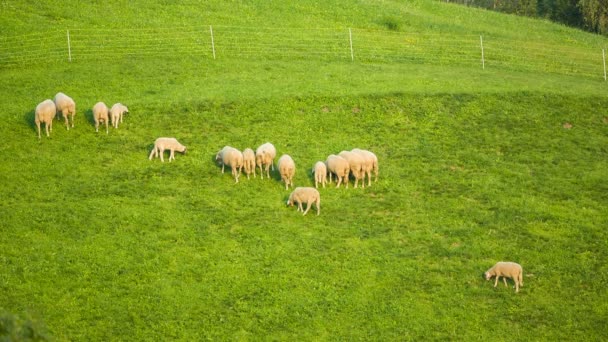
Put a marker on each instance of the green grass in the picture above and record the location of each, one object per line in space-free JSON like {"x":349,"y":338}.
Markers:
{"x":99,"y":243}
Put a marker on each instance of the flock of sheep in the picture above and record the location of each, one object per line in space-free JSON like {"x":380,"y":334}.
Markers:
{"x":357,"y":162}
{"x":48,"y":109}
{"x":360,"y":163}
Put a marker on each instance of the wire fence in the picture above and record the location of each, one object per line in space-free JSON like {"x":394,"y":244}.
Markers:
{"x":348,"y":45}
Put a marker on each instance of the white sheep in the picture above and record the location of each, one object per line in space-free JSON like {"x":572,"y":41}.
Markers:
{"x":505,"y":270}
{"x":338,"y":166}
{"x":249,"y":162}
{"x":45,"y":113}
{"x":232,"y":157}
{"x":371,"y":164}
{"x":320,"y":172}
{"x":305,"y":195}
{"x":287,"y":169}
{"x":67,"y":107}
{"x":264,"y":157}
{"x":116,"y":113}
{"x":162,"y":144}
{"x":100,"y":114}
{"x":356,"y":163}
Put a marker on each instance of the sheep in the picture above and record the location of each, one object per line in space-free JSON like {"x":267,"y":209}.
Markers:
{"x":162,"y":144}
{"x":45,"y":113}
{"x":249,"y":162}
{"x":100,"y":114}
{"x":116,"y":113}
{"x":67,"y":107}
{"x":287,"y":169}
{"x":370,"y":164}
{"x":320,"y":172}
{"x":232,"y":157}
{"x":356,"y":163}
{"x":338,"y":166}
{"x":306,"y":195}
{"x":505,"y":270}
{"x":264,"y":157}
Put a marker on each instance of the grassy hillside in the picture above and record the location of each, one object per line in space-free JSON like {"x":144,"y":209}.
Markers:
{"x":476,"y":166}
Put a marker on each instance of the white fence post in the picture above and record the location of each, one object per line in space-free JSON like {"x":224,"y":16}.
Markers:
{"x":69,"y":48}
{"x":212,"y":41}
{"x":483,"y":60}
{"x":350,"y":37}
{"x":604,"y":58}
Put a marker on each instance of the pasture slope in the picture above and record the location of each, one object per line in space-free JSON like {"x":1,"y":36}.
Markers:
{"x":476,"y":165}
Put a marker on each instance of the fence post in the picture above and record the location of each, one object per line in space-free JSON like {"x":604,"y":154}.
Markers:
{"x":212,"y":42}
{"x":483,"y":60}
{"x":350,"y":37}
{"x":69,"y":48}
{"x":604,"y":58}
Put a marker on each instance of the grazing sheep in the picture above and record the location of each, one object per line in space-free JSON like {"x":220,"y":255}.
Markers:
{"x":45,"y":113}
{"x":506,"y":270}
{"x":320,"y":172}
{"x":67,"y":107}
{"x":371,"y":164}
{"x":305,"y":195}
{"x":232,"y":157}
{"x":338,"y":166}
{"x":100,"y":114}
{"x":249,"y":162}
{"x":356,"y":163}
{"x":116,"y":113}
{"x":287,"y":169}
{"x":162,"y":144}
{"x":264,"y":157}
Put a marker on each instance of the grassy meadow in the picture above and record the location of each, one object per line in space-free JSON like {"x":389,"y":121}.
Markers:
{"x":476,"y":166}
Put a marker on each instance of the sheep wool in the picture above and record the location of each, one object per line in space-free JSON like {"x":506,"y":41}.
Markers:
{"x":100,"y":115}
{"x":338,"y":166}
{"x":505,"y":270}
{"x":249,"y":162}
{"x":45,"y":113}
{"x":264,"y":158}
{"x":287,"y":169}
{"x":306,"y":195}
{"x":116,"y":113}
{"x":67,"y":107}
{"x":162,"y":144}
{"x":232,"y":157}
{"x":356,"y":163}
{"x":320,"y":172}
{"x":370,"y":164}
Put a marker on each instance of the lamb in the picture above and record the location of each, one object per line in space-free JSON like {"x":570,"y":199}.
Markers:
{"x":100,"y":114}
{"x":371,"y":164}
{"x":249,"y":162}
{"x":305,"y":195}
{"x":232,"y":157}
{"x":45,"y":113}
{"x":320,"y":172}
{"x":67,"y":107}
{"x":338,"y":166}
{"x":356,"y":163}
{"x":116,"y":113}
{"x":287,"y":169}
{"x":506,"y":270}
{"x":264,"y":157}
{"x":162,"y":144}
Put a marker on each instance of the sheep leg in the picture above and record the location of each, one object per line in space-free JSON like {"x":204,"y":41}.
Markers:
{"x":307,"y":207}
{"x":38,"y":125}
{"x":152,"y":153}
{"x":318,"y":206}
{"x":67,"y":121}
{"x":300,"y":207}
{"x":161,"y":152}
{"x":496,"y":281}
{"x":504,"y":279}
{"x":46,"y":126}
{"x":171,"y":155}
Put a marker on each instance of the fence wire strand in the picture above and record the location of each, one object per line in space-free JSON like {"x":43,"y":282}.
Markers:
{"x":236,"y":42}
